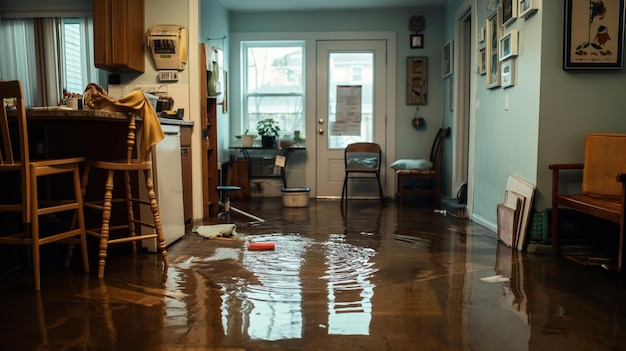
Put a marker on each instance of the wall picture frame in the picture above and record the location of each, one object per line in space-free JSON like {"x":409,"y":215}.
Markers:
{"x":508,"y":73}
{"x":482,"y":61}
{"x":417,"y":82}
{"x":509,"y":12}
{"x":525,"y":9}
{"x":593,"y":37}
{"x":417,"y":41}
{"x":446,"y":59}
{"x":492,"y":66}
{"x":509,"y":45}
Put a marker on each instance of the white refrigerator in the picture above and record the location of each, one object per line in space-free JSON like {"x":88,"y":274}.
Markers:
{"x":168,"y":185}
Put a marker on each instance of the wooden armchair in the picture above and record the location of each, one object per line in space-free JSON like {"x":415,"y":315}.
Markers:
{"x":603,"y":191}
{"x":408,"y":171}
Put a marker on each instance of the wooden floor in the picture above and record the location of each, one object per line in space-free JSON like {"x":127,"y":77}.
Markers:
{"x":372,"y":278}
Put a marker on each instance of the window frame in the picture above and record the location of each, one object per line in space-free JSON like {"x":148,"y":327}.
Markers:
{"x":246,"y":96}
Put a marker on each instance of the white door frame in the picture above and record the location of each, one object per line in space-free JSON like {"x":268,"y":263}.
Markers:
{"x":389,"y":149}
{"x":330,"y":165}
{"x":464,"y":117}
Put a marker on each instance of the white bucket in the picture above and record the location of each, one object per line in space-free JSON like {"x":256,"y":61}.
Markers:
{"x":295,"y":197}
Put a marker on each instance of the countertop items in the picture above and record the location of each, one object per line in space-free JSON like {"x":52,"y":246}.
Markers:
{"x":43,"y":112}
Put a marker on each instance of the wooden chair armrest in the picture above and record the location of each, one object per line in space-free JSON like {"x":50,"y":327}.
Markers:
{"x":558,"y":166}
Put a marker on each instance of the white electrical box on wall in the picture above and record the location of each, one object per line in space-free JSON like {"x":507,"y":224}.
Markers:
{"x":168,"y":46}
{"x":168,"y":76}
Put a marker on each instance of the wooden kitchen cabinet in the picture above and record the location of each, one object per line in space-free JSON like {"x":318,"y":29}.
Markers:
{"x":186,"y":159}
{"x":208,"y":123}
{"x":118,"y":27}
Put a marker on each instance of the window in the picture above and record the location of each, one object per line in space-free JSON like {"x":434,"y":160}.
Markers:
{"x":78,"y":68}
{"x":74,"y":53}
{"x":274,"y":84}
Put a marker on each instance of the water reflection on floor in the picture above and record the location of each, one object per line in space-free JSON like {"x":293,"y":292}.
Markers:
{"x":375,"y":278}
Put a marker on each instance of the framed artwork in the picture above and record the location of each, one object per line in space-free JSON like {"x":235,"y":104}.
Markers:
{"x":446,"y":57}
{"x":594,"y":34}
{"x":508,"y":73}
{"x":509,"y":12}
{"x":492,"y":66}
{"x":525,"y":8}
{"x":417,"y":41}
{"x":509,"y":45}
{"x":416,"y":84}
{"x":482,"y":61}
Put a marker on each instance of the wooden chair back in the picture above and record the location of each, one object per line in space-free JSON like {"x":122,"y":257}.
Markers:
{"x":360,"y":157}
{"x":437,"y":148}
{"x":14,"y":152}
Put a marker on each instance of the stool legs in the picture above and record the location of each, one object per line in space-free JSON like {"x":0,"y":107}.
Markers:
{"x":134,"y":234}
{"x":226,"y":213}
{"x":157,"y":217}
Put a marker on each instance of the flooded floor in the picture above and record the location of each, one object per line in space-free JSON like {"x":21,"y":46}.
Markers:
{"x":376,"y":278}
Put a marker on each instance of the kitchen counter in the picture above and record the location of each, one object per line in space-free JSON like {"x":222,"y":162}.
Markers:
{"x":95,"y":115}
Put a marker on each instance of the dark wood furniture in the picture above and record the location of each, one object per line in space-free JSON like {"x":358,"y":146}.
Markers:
{"x":362,"y":158}
{"x":186,"y":160}
{"x":432,"y":177}
{"x":286,"y":152}
{"x":31,"y":202}
{"x":607,"y":208}
{"x":208,"y":123}
{"x":118,"y":27}
{"x":603,"y":190}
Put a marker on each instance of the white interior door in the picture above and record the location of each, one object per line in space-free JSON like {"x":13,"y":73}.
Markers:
{"x":351,"y":107}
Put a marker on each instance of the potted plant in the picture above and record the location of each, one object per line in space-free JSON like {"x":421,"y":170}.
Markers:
{"x":268,"y":129}
{"x":246,"y":139}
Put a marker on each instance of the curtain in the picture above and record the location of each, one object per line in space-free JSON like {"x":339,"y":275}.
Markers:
{"x":17,"y":40}
{"x":33,"y":51}
{"x":48,"y":50}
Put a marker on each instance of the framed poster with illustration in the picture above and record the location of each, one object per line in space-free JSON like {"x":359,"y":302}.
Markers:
{"x":446,"y":56}
{"x":494,"y":30}
{"x":509,"y":12}
{"x":594,"y":34}
{"x":416,"y":83}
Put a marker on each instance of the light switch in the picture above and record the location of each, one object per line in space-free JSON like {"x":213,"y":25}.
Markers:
{"x":507,"y":101}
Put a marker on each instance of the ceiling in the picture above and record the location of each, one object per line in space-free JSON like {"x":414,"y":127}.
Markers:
{"x":319,"y":5}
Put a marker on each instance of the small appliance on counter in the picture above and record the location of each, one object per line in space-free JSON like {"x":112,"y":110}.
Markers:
{"x":178,"y":114}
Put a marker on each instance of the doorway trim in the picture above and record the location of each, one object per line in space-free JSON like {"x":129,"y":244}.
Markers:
{"x":464,"y":116}
{"x":389,"y":149}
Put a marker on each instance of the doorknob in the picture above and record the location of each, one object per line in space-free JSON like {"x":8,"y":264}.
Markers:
{"x":320,"y":121}
{"x":321,"y":131}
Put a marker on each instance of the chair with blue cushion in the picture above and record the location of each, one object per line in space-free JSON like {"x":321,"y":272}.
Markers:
{"x":417,"y":177}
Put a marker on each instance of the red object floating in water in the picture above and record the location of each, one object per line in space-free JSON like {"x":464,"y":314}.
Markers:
{"x":260,"y":246}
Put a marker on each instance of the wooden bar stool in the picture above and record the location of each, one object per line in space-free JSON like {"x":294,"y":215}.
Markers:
{"x":136,"y":104}
{"x":224,"y":191}
{"x":15,"y":159}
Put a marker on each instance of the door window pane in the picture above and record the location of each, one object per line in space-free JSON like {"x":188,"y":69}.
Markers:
{"x":355,"y":69}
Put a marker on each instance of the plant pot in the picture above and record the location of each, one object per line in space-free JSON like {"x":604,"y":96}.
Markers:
{"x":268,"y":142}
{"x":247,"y":140}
